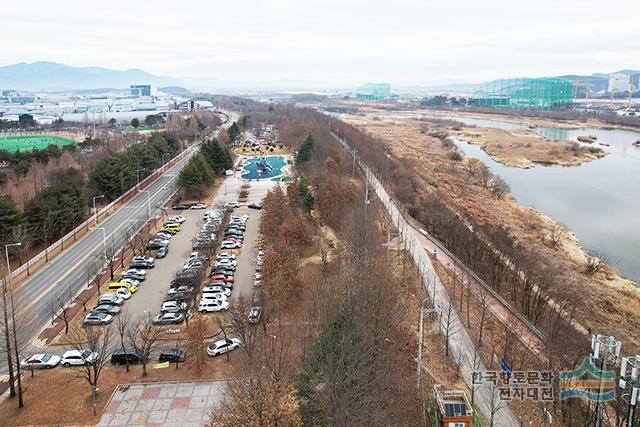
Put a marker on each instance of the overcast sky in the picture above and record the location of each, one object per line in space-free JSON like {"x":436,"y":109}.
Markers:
{"x":328,"y":42}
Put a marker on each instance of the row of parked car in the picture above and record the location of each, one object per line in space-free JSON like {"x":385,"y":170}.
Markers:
{"x":160,"y":241}
{"x":118,"y":291}
{"x":233,"y":237}
{"x":206,"y":238}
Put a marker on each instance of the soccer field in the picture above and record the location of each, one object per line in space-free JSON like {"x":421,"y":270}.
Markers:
{"x":29,"y":142}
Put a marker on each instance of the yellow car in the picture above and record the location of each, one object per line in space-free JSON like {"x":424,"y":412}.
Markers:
{"x":114,"y":286}
{"x":172,"y":227}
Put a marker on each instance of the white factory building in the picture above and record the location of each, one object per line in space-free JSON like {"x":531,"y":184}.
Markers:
{"x":619,"y":83}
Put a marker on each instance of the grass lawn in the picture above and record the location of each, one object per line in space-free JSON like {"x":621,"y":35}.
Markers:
{"x":29,"y":142}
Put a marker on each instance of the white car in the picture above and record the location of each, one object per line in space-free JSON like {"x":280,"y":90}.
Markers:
{"x":139,"y":271}
{"x":142,"y":258}
{"x":223,"y":346}
{"x":168,"y":319}
{"x":213,"y":296}
{"x":97,"y":318}
{"x":225,"y":255}
{"x":78,"y":358}
{"x":172,"y":307}
{"x":41,"y":361}
{"x":232,"y":205}
{"x":212,"y":306}
{"x":199,"y":206}
{"x":215,"y":289}
{"x":229,"y":244}
{"x":123,"y":293}
{"x":225,"y":262}
{"x":177,"y":218}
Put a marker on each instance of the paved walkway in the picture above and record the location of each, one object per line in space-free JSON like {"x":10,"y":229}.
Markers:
{"x":163,"y":404}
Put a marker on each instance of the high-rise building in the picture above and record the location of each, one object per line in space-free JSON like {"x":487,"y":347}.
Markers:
{"x":374,"y":91}
{"x":140,"y":90}
{"x":619,"y":83}
{"x":540,"y":93}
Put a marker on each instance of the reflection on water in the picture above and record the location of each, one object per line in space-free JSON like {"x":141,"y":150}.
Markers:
{"x":598,"y":200}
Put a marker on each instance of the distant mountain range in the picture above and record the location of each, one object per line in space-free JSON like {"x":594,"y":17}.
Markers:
{"x":52,"y":76}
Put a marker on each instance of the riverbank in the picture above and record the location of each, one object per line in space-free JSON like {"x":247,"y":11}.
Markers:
{"x":523,"y":148}
{"x":609,"y":303}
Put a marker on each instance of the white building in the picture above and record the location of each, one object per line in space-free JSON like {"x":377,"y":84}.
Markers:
{"x":619,"y":83}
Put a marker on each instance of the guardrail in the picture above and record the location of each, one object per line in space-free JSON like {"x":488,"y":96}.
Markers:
{"x":121,"y":199}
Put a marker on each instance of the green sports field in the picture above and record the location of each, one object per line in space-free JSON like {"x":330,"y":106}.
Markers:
{"x":29,"y":142}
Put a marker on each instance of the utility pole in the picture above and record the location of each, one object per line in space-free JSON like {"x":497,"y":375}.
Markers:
{"x":95,"y":212}
{"x":138,"y":176}
{"x":605,"y":351}
{"x":630,"y":376}
{"x":13,"y":324}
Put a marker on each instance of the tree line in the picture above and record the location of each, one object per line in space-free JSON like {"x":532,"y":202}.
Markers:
{"x":200,"y":171}
{"x":116,"y":173}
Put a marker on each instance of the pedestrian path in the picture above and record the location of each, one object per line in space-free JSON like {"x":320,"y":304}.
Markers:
{"x":187,"y":404}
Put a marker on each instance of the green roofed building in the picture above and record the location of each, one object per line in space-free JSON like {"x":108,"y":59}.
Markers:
{"x":374,"y":91}
{"x":541,"y":93}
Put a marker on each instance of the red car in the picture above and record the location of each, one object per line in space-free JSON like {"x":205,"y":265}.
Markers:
{"x":222,"y":278}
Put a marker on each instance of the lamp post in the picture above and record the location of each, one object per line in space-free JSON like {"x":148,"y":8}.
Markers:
{"x":13,"y":322}
{"x":95,"y":212}
{"x":138,"y":176}
{"x":148,"y":202}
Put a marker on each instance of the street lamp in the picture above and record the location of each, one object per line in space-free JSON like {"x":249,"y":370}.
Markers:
{"x":6,"y":252}
{"x":148,"y":202}
{"x":95,"y":212}
{"x":104,"y":240}
{"x":13,"y":321}
{"x":138,"y":175}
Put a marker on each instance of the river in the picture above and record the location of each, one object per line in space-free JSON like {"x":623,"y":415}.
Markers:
{"x":599,"y":200}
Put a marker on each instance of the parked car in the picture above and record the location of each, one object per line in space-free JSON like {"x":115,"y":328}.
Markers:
{"x":110,"y":299}
{"x":128,"y":356}
{"x":180,"y":207}
{"x":217,"y":289}
{"x":227,"y":261}
{"x":157,"y":244}
{"x":212,"y":305}
{"x":131,"y":281}
{"x":40,"y":361}
{"x":229,"y":244}
{"x":163,"y":234}
{"x":162,"y":252}
{"x":255,"y":314}
{"x":225,"y":255}
{"x":180,"y":290}
{"x":172,"y":355}
{"x":143,"y":258}
{"x":78,"y":358}
{"x":257,"y":206}
{"x":172,"y":227}
{"x":223,"y":346}
{"x":97,"y":318}
{"x":168,"y":319}
{"x":173,"y":307}
{"x":106,"y":308}
{"x":199,"y":206}
{"x":228,"y":285}
{"x":178,"y":218}
{"x":213,"y":296}
{"x":123,"y":293}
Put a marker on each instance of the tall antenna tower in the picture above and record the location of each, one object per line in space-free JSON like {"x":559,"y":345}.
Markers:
{"x":605,"y":351}
{"x":630,"y":385}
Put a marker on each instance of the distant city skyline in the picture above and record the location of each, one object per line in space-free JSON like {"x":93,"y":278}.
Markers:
{"x":327,"y":43}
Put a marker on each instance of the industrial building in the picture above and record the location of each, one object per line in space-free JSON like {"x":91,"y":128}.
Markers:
{"x":540,"y":93}
{"x":619,"y":83}
{"x":374,"y":91}
{"x":141,"y":90}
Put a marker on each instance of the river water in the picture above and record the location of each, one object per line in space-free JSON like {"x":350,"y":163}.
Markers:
{"x":599,"y":200}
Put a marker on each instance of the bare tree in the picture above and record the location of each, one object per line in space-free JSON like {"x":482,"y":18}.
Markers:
{"x":555,"y":233}
{"x":449,"y":327}
{"x":196,"y":346}
{"x":499,"y":187}
{"x":595,"y":262}
{"x":6,"y":329}
{"x":110,"y":255}
{"x":495,"y":403}
{"x":93,"y":344}
{"x":144,"y":338}
{"x":122,"y":325}
{"x":60,"y":307}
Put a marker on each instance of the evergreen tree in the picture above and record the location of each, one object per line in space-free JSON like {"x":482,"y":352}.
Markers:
{"x":9,"y":218}
{"x":305,"y":151}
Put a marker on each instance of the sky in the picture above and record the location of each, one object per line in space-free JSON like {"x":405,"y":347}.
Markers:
{"x":327,"y":43}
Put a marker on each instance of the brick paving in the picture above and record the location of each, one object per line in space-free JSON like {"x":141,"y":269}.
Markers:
{"x":163,"y":404}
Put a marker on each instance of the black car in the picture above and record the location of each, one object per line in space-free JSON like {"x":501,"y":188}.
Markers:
{"x":180,"y":207}
{"x":145,"y":265}
{"x":155,"y":244}
{"x":171,"y":355}
{"x":257,"y":206}
{"x":129,"y":355}
{"x":162,"y":252}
